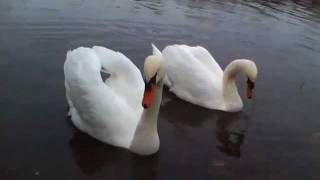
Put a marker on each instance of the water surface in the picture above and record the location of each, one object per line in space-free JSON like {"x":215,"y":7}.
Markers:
{"x":276,"y":136}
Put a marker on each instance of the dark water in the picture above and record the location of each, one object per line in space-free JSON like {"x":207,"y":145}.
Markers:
{"x":277,"y":136}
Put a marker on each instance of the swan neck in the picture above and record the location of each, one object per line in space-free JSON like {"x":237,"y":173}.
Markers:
{"x":229,"y":75}
{"x":230,"y":92}
{"x":146,"y":139}
{"x":150,"y":115}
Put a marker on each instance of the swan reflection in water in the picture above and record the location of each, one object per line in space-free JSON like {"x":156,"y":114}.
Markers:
{"x":89,"y":154}
{"x":94,"y":158}
{"x":230,"y":136}
{"x":228,"y":128}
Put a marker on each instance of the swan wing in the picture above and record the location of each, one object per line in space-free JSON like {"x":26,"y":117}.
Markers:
{"x":202,"y":55}
{"x":100,"y":111}
{"x":125,"y":79}
{"x":193,"y":73}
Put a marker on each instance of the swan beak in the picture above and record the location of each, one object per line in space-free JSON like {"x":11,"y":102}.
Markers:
{"x":149,"y":90}
{"x":250,"y":87}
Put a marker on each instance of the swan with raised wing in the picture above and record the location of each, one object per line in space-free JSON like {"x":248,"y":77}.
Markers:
{"x":123,"y":110}
{"x":193,"y":75}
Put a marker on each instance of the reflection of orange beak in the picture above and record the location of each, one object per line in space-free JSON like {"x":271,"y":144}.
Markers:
{"x":249,"y":92}
{"x":148,"y":95}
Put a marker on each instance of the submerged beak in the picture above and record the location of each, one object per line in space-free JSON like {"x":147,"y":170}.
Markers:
{"x":250,"y":87}
{"x":148,"y":95}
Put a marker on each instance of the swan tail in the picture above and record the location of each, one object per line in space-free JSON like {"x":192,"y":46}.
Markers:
{"x":158,"y":53}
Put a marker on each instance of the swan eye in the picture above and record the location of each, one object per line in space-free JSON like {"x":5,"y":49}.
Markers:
{"x":153,"y":80}
{"x":250,"y":84}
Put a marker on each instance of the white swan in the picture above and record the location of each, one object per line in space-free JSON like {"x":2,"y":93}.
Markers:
{"x":112,"y":111}
{"x":194,"y":75}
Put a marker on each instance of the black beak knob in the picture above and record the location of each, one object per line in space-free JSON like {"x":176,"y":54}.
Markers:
{"x":144,"y":105}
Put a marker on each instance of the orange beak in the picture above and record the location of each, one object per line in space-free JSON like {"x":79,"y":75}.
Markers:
{"x":148,"y":95}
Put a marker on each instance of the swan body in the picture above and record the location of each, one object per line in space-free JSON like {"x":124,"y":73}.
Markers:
{"x":193,"y":75}
{"x":111,"y":111}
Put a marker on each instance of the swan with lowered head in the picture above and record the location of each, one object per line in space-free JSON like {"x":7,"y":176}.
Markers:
{"x":123,"y":110}
{"x":194,"y":76}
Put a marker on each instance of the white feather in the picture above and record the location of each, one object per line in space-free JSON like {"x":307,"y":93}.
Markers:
{"x":195,"y":76}
{"x":109,"y":111}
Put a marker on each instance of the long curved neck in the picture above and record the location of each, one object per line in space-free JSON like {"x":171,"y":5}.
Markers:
{"x":149,"y":116}
{"x":146,"y":138}
{"x":229,"y":75}
{"x":229,"y":88}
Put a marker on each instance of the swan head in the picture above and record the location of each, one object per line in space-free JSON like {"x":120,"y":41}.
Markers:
{"x":153,"y":72}
{"x":249,"y":68}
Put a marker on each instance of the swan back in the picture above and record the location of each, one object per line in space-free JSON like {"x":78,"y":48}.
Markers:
{"x":194,"y":56}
